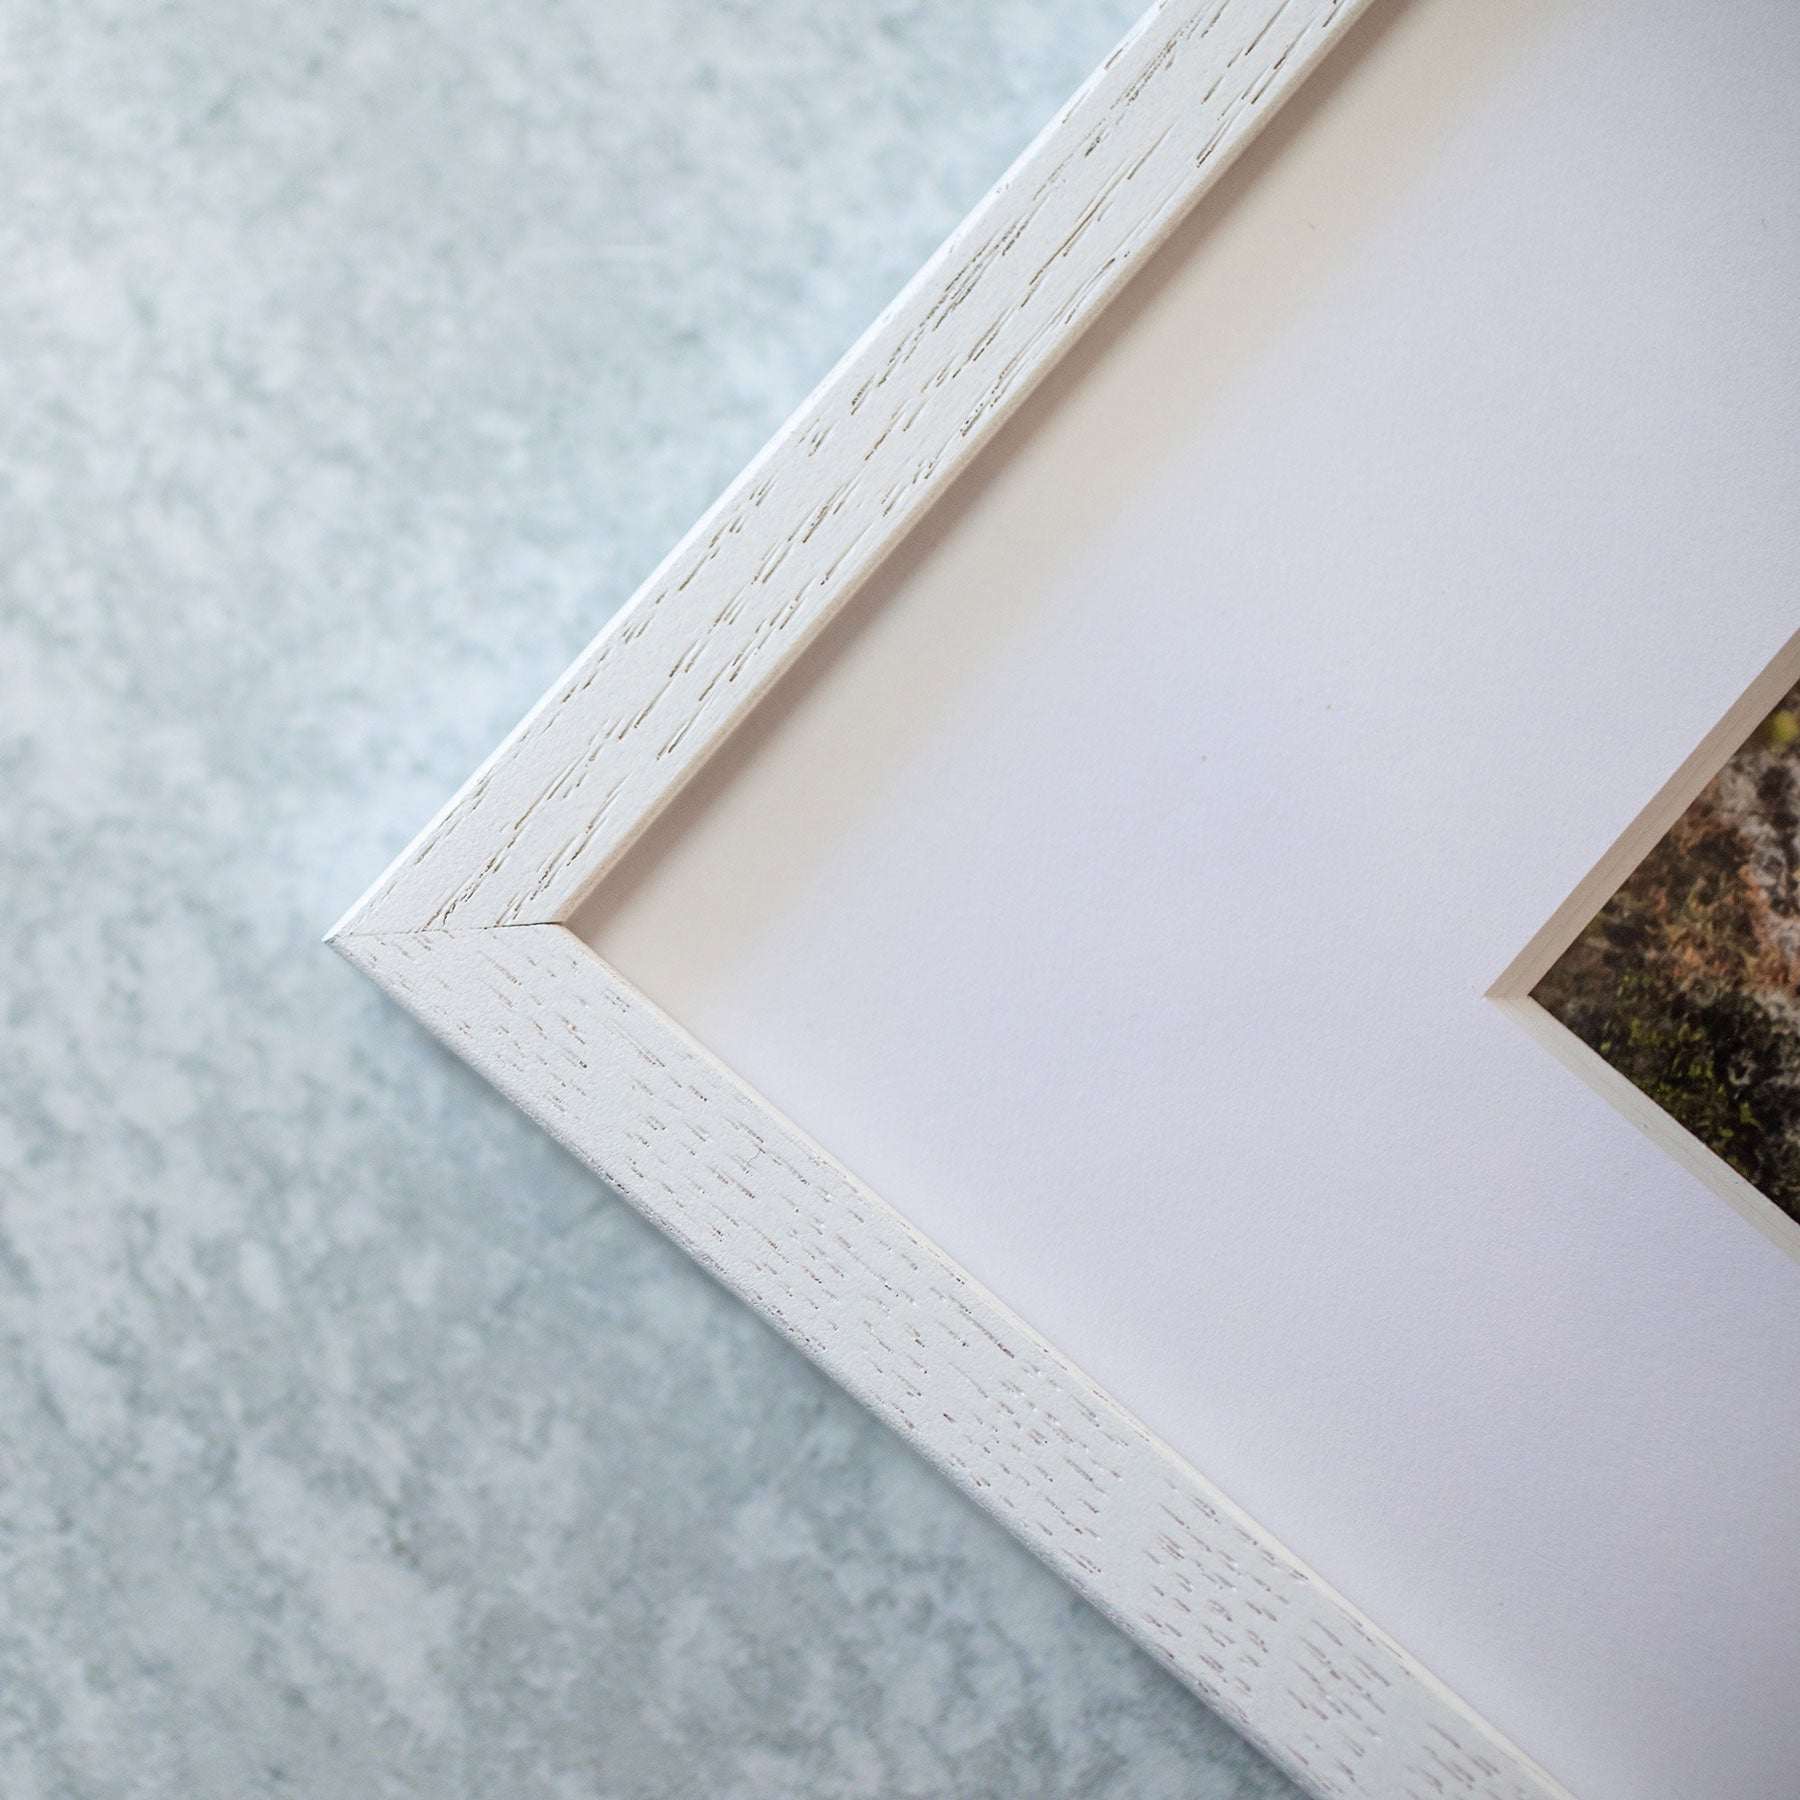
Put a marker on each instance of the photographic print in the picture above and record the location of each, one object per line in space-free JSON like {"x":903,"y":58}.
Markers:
{"x":1687,"y":981}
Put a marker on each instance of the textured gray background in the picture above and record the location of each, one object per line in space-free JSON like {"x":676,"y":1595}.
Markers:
{"x":353,"y":1441}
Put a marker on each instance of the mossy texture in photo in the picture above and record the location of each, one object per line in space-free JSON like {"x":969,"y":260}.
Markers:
{"x":1688,"y":979}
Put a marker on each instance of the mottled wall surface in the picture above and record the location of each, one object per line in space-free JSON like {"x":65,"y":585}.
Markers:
{"x":353,"y":1442}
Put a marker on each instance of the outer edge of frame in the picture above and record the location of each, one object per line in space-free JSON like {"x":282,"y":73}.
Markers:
{"x":886,"y":431}
{"x":1132,"y":1526}
{"x":1125,"y":1520}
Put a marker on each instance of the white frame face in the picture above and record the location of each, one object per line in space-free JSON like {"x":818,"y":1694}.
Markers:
{"x":470,"y":929}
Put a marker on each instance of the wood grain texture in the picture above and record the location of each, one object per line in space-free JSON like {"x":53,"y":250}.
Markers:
{"x":465,"y":930}
{"x":1138,"y":1531}
{"x":904,"y":411}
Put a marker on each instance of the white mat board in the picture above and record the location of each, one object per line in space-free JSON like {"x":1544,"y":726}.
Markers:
{"x":1116,"y":886}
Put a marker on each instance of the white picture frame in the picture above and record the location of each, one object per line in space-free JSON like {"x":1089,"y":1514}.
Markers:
{"x":470,"y":930}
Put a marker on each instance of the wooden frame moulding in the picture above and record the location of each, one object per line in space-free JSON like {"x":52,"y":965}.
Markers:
{"x":468,"y":930}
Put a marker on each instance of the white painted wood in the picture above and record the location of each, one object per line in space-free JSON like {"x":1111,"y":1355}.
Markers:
{"x":1142,"y":1534}
{"x":467,"y":929}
